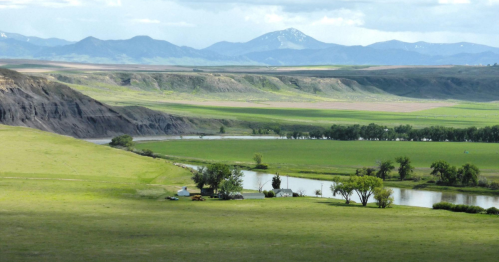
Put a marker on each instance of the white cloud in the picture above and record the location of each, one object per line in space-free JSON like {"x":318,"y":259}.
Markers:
{"x":146,"y":21}
{"x":454,"y":2}
{"x":179,"y":24}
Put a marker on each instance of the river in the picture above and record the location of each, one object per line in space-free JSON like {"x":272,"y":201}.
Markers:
{"x":406,"y":197}
{"x":103,"y":141}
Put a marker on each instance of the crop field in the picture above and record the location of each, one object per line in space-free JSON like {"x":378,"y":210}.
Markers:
{"x":331,"y":156}
{"x":65,"y":199}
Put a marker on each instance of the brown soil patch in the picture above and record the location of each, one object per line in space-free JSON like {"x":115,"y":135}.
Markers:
{"x":402,"y":107}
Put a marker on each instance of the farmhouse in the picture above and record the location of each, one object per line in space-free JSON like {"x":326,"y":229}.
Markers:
{"x":283,"y":192}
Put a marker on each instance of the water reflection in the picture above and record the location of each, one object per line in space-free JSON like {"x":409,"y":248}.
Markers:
{"x":407,"y":197}
{"x":103,"y":141}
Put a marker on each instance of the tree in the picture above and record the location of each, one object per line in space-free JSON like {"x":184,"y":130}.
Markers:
{"x":261,"y":184}
{"x":215,"y":173}
{"x":276,"y":181}
{"x":364,"y":187}
{"x":440,"y":167}
{"x":365,"y":171}
{"x":345,"y":189}
{"x":232,"y":184}
{"x":222,"y":130}
{"x":199,"y":178}
{"x":405,"y":169}
{"x":318,"y":192}
{"x":469,"y":174}
{"x":123,"y":140}
{"x":385,"y":167}
{"x":258,"y":158}
{"x":383,"y":197}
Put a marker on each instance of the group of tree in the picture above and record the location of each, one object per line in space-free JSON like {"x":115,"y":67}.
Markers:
{"x":386,"y":167}
{"x":364,"y":187}
{"x":402,"y":132}
{"x":221,"y":178}
{"x":467,"y":175}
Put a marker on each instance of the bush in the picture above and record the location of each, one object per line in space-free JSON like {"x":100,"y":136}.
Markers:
{"x":416,"y":178}
{"x":474,"y":210}
{"x":147,"y":152}
{"x":431,"y":182}
{"x":483,"y":182}
{"x":443,"y":205}
{"x":383,"y":197}
{"x":124,"y":141}
{"x":262,"y":166}
{"x":270,"y":194}
{"x":296,"y":195}
{"x":493,"y":211}
{"x":459,"y":208}
{"x":266,"y":193}
{"x":494,"y":185}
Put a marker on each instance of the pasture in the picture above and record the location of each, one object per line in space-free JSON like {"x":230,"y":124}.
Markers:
{"x":65,"y":199}
{"x":326,"y":156}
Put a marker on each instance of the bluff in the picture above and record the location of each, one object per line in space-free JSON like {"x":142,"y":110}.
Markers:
{"x":50,"y":106}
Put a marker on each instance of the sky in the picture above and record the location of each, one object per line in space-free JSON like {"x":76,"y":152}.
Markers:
{"x":200,"y":23}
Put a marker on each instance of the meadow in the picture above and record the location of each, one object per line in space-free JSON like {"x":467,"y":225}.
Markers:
{"x":328,"y":154}
{"x":65,"y":199}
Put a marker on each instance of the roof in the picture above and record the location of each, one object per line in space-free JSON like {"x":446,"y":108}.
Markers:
{"x":253,"y":194}
{"x":282,"y":191}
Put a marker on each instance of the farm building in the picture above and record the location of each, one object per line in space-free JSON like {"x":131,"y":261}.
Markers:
{"x":253,"y":196}
{"x":283,"y":192}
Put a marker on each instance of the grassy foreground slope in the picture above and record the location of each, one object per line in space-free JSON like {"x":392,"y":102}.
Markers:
{"x":94,"y":204}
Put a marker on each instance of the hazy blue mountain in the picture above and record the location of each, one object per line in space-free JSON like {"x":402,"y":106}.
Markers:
{"x":436,"y":49}
{"x":140,"y":49}
{"x":359,"y":55}
{"x":34,"y":40}
{"x":10,"y":48}
{"x":285,"y":39}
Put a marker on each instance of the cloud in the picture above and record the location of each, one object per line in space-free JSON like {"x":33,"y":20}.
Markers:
{"x":146,"y":21}
{"x":454,"y":2}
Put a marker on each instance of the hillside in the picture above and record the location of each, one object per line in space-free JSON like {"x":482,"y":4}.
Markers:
{"x":460,"y":83}
{"x":50,"y":106}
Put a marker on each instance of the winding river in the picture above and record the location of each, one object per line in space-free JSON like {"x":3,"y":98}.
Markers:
{"x":406,"y":197}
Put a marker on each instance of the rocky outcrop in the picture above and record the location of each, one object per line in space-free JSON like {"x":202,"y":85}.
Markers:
{"x":38,"y":103}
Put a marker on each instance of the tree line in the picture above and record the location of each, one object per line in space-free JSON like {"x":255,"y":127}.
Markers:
{"x":373,"y":131}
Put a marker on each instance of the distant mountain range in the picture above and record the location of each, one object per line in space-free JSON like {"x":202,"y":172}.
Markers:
{"x":282,"y":48}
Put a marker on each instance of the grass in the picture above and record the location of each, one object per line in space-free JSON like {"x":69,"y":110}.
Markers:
{"x":62,"y":199}
{"x":322,"y":159}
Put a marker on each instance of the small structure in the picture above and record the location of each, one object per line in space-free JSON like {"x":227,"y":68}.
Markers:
{"x":283,"y":192}
{"x":253,"y":196}
{"x":183,"y":192}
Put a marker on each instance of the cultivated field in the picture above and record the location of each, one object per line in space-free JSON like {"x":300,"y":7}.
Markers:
{"x":326,"y":156}
{"x":64,"y":199}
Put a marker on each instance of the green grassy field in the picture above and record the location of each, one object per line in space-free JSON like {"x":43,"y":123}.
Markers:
{"x":62,"y":199}
{"x":328,"y":154}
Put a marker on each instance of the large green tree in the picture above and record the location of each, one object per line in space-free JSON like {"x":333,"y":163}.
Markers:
{"x":215,"y":174}
{"x":440,"y":167}
{"x":232,"y":184}
{"x":405,"y":168}
{"x":469,"y":174}
{"x":276,"y":181}
{"x":364,"y":187}
{"x":385,"y":167}
{"x":343,"y":188}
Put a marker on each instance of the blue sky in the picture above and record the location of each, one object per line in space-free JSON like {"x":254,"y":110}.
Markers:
{"x":200,"y":23}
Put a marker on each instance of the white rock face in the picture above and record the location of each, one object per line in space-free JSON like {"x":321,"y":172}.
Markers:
{"x":183,"y":192}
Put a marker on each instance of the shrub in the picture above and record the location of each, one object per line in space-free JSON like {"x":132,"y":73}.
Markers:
{"x":262,"y":166}
{"x":296,"y":195}
{"x":383,"y":197}
{"x":270,"y":194}
{"x":483,"y":182}
{"x":147,"y":152}
{"x":266,"y":193}
{"x":459,"y":208}
{"x":124,"y":141}
{"x":493,"y":211}
{"x":443,"y":205}
{"x":474,"y":210}
{"x":416,"y":178}
{"x":431,"y":182}
{"x":494,"y":185}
